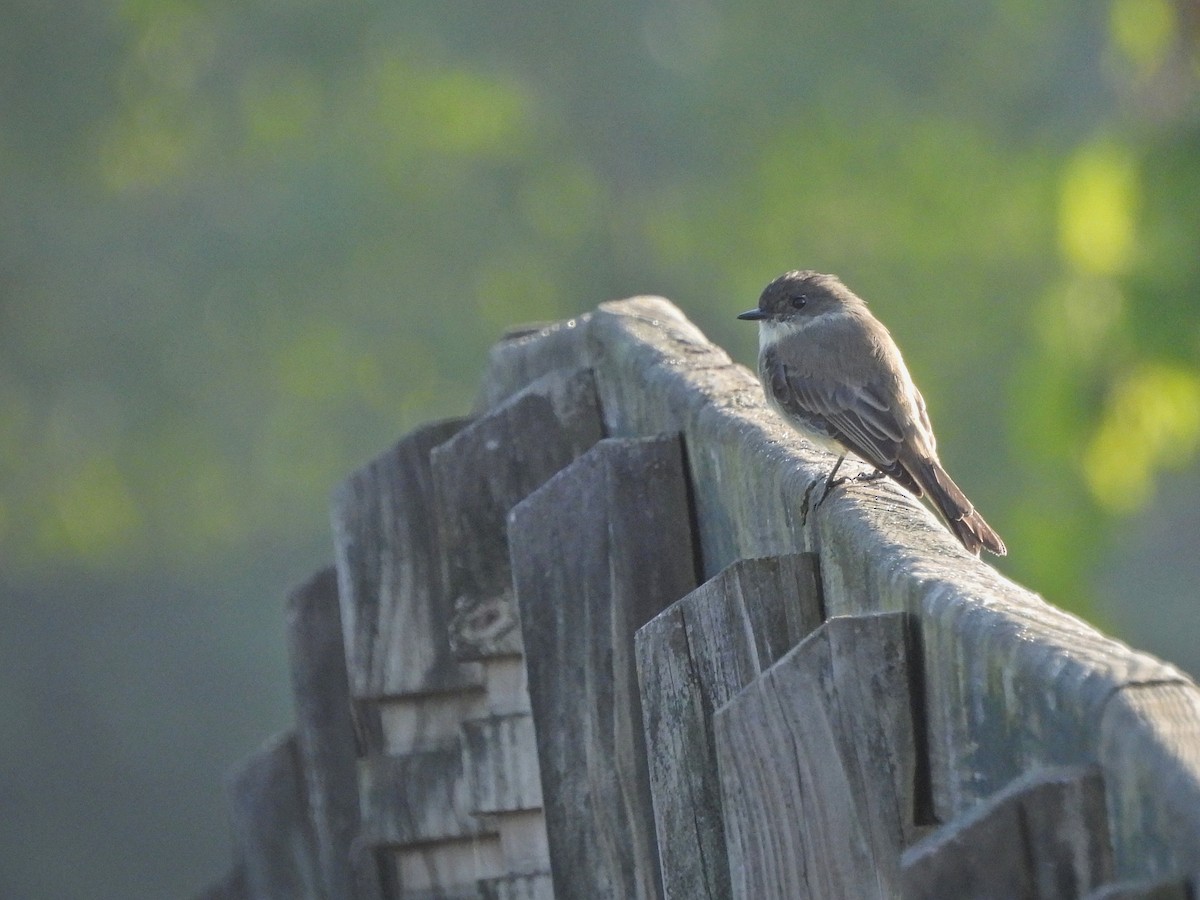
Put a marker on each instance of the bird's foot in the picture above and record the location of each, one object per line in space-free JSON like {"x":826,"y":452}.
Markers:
{"x":830,"y":484}
{"x":867,"y":477}
{"x":860,"y":478}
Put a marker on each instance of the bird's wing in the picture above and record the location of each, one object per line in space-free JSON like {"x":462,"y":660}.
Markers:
{"x":856,"y":415}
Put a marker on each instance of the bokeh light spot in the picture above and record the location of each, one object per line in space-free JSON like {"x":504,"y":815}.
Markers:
{"x":94,"y":513}
{"x":1151,"y":421}
{"x":1096,"y":211}
{"x":1143,"y":30}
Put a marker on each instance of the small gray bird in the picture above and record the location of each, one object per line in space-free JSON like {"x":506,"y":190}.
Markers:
{"x":834,"y":373}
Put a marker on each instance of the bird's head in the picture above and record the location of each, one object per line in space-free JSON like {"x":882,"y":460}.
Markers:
{"x":796,"y":296}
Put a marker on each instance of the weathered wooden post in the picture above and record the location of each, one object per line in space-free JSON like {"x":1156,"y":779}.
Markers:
{"x":409,"y":691}
{"x":693,"y":659}
{"x":325,"y":738}
{"x":596,"y":645}
{"x":818,"y":765}
{"x":597,"y":552}
{"x":480,"y":474}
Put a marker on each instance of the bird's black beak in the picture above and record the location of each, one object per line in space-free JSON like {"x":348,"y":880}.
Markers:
{"x":753,"y":315}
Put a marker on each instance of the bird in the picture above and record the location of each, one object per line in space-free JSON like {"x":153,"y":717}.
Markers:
{"x":835,"y":375}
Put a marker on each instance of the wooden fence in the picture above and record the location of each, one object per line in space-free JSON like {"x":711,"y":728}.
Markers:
{"x":590,"y":643}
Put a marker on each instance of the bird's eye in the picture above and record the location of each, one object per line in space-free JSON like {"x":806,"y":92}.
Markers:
{"x":798,"y":301}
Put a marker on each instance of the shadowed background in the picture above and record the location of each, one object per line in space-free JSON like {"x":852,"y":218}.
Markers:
{"x":245,"y":246}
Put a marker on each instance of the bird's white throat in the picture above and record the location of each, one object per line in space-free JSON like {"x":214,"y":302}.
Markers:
{"x":770,"y":332}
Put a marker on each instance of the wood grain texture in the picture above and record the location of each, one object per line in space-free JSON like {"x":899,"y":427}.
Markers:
{"x":818,"y":766}
{"x":528,"y":353}
{"x":1143,"y":890}
{"x":480,"y":474}
{"x":1150,"y":751}
{"x":1044,"y":837}
{"x":324,"y":727}
{"x":596,"y":552}
{"x":272,"y":829}
{"x":442,"y":871}
{"x":395,"y":610}
{"x":500,"y":760}
{"x":416,"y":799}
{"x":536,"y":886}
{"x":692,"y":658}
{"x":454,"y":892}
{"x":1014,"y":683}
{"x":655,"y":371}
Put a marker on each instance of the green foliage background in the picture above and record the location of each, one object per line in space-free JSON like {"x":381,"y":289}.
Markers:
{"x":245,"y":246}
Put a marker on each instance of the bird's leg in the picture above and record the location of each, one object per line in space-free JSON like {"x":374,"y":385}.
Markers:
{"x":831,"y":482}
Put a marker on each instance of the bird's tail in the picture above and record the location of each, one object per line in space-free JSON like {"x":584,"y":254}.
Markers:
{"x":968,"y":525}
